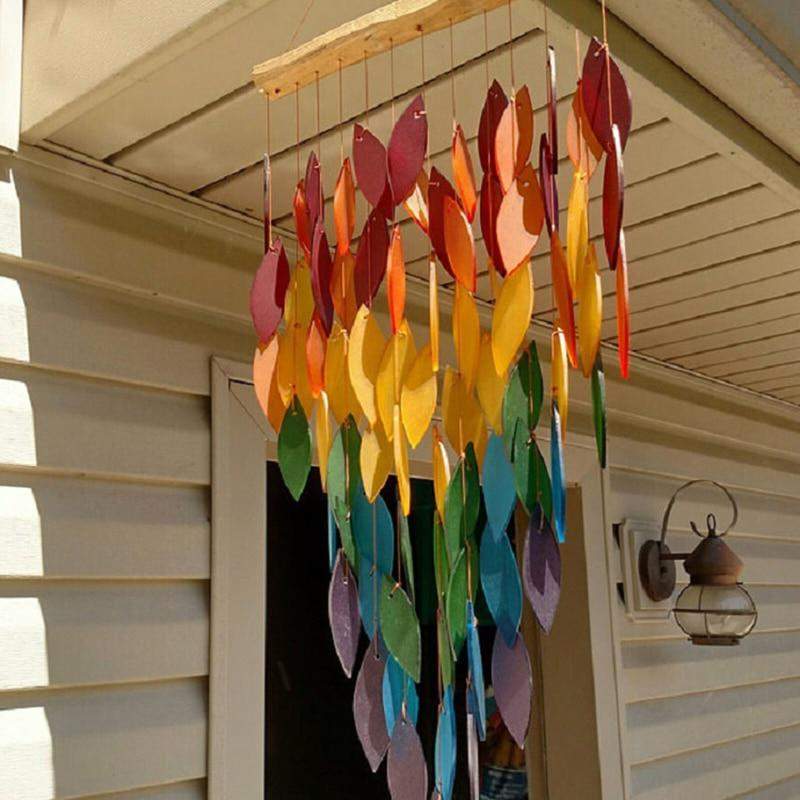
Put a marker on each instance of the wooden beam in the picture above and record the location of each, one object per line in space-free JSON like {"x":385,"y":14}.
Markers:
{"x":393,"y":24}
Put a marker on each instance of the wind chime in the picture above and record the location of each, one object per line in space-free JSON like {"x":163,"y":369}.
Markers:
{"x":321,"y":353}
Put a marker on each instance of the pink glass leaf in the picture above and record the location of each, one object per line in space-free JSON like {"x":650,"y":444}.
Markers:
{"x":368,"y":707}
{"x":407,"y":146}
{"x":373,"y":247}
{"x":343,"y":613}
{"x":438,"y":189}
{"x":321,"y":269}
{"x":493,"y":108}
{"x":541,"y":569}
{"x":613,"y":198}
{"x":519,"y":222}
{"x":406,"y":771}
{"x":268,"y":292}
{"x":314,"y":200}
{"x":513,"y":685}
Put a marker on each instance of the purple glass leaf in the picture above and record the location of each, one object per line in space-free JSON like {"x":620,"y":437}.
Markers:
{"x":548,"y":185}
{"x":406,"y":771}
{"x":373,"y":247}
{"x":406,"y":152}
{"x":473,"y":759}
{"x":314,"y":200}
{"x":513,"y":685}
{"x":541,"y":569}
{"x":321,"y":269}
{"x":368,"y":707}
{"x":439,"y":188}
{"x":369,"y":162}
{"x":343,"y":613}
{"x":268,"y":292}
{"x":493,"y":108}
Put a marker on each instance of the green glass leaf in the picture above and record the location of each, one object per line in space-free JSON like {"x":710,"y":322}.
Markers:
{"x":408,"y":555}
{"x":461,"y":508}
{"x":523,"y":398}
{"x":344,"y":472}
{"x":446,"y":665}
{"x":441,"y":561}
{"x":294,"y":449}
{"x":530,"y":473}
{"x":456,"y":599}
{"x":342,"y":517}
{"x":400,"y":628}
{"x":599,"y":409}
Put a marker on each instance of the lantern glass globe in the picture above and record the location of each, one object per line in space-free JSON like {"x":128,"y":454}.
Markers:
{"x":715,"y":614}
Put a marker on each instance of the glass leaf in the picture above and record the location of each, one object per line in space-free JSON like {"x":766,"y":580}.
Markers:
{"x":400,"y":446}
{"x":493,"y":108}
{"x":433,"y":312}
{"x":376,"y":461}
{"x":316,"y":344}
{"x":500,"y":581}
{"x":321,"y":270}
{"x":541,"y":569}
{"x":466,"y":335}
{"x":368,"y":597}
{"x":548,"y":185}
{"x":519,"y":221}
{"x":368,"y":707}
{"x":499,"y":496}
{"x":407,"y":556}
{"x":398,"y":688}
{"x":463,"y":174}
{"x":344,"y":208}
{"x":302,"y":225}
{"x":373,"y":247}
{"x":512,"y":316}
{"x":292,"y":373}
{"x":369,"y":163}
{"x":623,"y":309}
{"x":322,"y":436}
{"x":445,"y":747}
{"x":552,"y":118}
{"x":462,"y":504}
{"x":613,"y":200}
{"x":563,"y":295}
{"x":530,"y":473}
{"x":400,"y":628}
{"x":344,"y":481}
{"x":313,"y":189}
{"x":373,"y":528}
{"x":367,"y":347}
{"x":441,"y":565}
{"x":407,"y":146}
{"x":580,"y":152}
{"x":505,"y":146}
{"x":264,"y":360}
{"x":557,"y":474}
{"x":559,"y":374}
{"x":397,"y":359}
{"x":439,"y":189}
{"x":416,"y":204}
{"x":406,"y":771}
{"x":299,"y":306}
{"x":396,"y":279}
{"x":341,"y":395}
{"x":599,"y":410}
{"x":590,"y":315}
{"x":441,"y":471}
{"x":343,"y":288}
{"x":268,"y":292}
{"x":456,"y":599}
{"x":343,"y":614}
{"x":418,"y":400}
{"x":476,"y":688}
{"x":489,"y":385}
{"x":461,"y":413}
{"x":522,"y":403}
{"x":276,"y":407}
{"x":294,"y":449}
{"x":333,"y":539}
{"x":459,"y":243}
{"x":512,"y":680}
{"x":525,"y":127}
{"x":577,"y":229}
{"x":491,"y":200}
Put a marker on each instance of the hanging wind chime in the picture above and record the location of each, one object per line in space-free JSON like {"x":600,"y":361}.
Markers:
{"x":321,"y":354}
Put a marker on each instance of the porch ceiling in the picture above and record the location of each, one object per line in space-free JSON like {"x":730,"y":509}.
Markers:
{"x":713,"y":243}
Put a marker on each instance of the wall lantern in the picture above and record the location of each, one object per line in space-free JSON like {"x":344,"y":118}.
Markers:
{"x":714,"y":608}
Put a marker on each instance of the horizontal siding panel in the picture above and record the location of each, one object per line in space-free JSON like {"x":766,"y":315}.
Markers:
{"x":69,"y":744}
{"x":58,"y":527}
{"x":720,"y":772}
{"x":53,"y":322}
{"x":185,"y":790}
{"x":788,"y":789}
{"x":61,"y":423}
{"x":72,"y":633}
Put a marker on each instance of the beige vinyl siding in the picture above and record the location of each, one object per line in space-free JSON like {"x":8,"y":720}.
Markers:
{"x":107,"y":324}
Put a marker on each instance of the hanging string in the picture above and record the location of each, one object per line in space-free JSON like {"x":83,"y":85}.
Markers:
{"x":452,"y":75}
{"x":268,"y":184}
{"x":366,"y":92}
{"x":511,"y":51}
{"x":341,"y":127}
{"x":486,"y":46}
{"x":391,"y":76}
{"x":608,"y":64}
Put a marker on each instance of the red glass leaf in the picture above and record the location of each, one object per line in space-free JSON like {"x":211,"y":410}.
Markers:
{"x":313,"y":184}
{"x":321,"y":269}
{"x":463,"y":174}
{"x":548,"y":185}
{"x":595,"y":95}
{"x":439,"y":189}
{"x":369,"y":162}
{"x":459,"y":244}
{"x":552,"y":119}
{"x":407,"y":146}
{"x":344,"y":208}
{"x":373,"y":246}
{"x":396,"y":279}
{"x":316,"y":346}
{"x":267,"y":202}
{"x":301,"y":222}
{"x":613,"y":199}
{"x":520,"y":220}
{"x":524,"y":107}
{"x":493,"y":108}
{"x":268,"y":292}
{"x":623,"y":308}
{"x":491,"y":201}
{"x":563,"y":294}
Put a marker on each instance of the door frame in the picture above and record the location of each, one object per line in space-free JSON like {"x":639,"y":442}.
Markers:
{"x":242,"y":443}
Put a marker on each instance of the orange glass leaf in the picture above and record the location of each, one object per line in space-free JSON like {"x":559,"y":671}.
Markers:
{"x":316,"y":345}
{"x":590,"y":313}
{"x":520,"y":220}
{"x":559,"y":376}
{"x":343,"y":288}
{"x":563,"y":294}
{"x":490,"y":385}
{"x":365,"y":353}
{"x":322,"y":436}
{"x":441,"y":471}
{"x":505,"y":146}
{"x":344,"y":208}
{"x":433,"y":312}
{"x":418,"y":399}
{"x":577,"y":228}
{"x":596,"y":149}
{"x":466,"y":335}
{"x":463,"y":174}
{"x":264,"y":360}
{"x":578,"y":149}
{"x":623,"y":308}
{"x":302,"y":226}
{"x":276,"y":408}
{"x":417,"y":202}
{"x":459,"y":244}
{"x":375,"y":459}
{"x":525,"y":128}
{"x":396,"y":279}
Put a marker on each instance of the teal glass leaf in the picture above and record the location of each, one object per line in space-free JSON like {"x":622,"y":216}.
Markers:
{"x":462,"y":503}
{"x":530,"y":473}
{"x":476,"y":697}
{"x":294,"y":449}
{"x":407,"y":555}
{"x":501,"y":583}
{"x":499,"y":494}
{"x":398,"y":688}
{"x":522,"y":402}
{"x":557,"y":475}
{"x":369,"y":587}
{"x":445,"y":748}
{"x":400,"y":628}
{"x":599,"y":409}
{"x":372,"y":524}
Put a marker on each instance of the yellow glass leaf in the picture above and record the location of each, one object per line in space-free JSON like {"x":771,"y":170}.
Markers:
{"x":299,"y":297}
{"x":494,"y":279}
{"x":559,"y":377}
{"x":441,"y":471}
{"x":577,"y":228}
{"x":418,"y":399}
{"x":490,"y":385}
{"x":264,"y":360}
{"x":466,"y":334}
{"x":322,"y":434}
{"x":291,"y":368}
{"x":284,"y":368}
{"x":512,"y":316}
{"x":462,"y":416}
{"x":395,"y":364}
{"x":433,"y":311}
{"x":376,"y":459}
{"x":590,"y":316}
{"x":401,"y":461}
{"x":341,"y":396}
{"x":367,"y":346}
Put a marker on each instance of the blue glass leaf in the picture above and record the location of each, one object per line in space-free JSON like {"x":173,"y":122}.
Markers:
{"x":445,"y":751}
{"x":395,"y":682}
{"x":364,"y":517}
{"x":501,"y":584}
{"x":499,"y":494}
{"x":368,"y":596}
{"x":476,"y":697}
{"x":332,"y":543}
{"x":557,"y":474}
